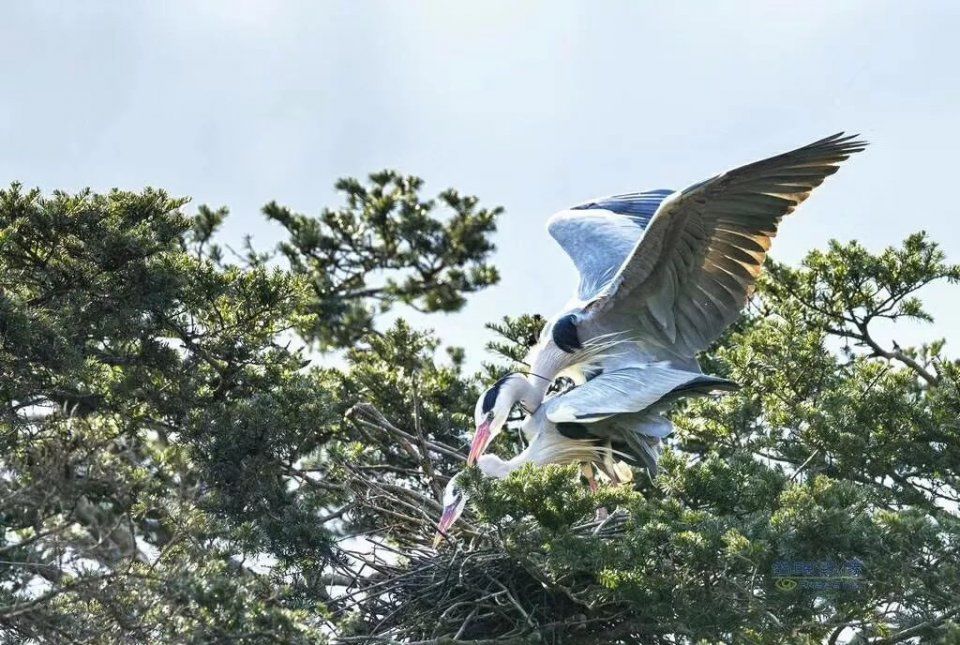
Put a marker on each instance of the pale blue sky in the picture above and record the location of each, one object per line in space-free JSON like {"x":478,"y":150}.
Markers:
{"x":530,"y":105}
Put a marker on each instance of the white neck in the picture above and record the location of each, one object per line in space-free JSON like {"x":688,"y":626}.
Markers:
{"x":528,"y":390}
{"x":535,"y":388}
{"x":494,"y":466}
{"x":547,"y":361}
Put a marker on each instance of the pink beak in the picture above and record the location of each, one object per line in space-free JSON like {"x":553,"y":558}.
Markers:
{"x":450,"y":515}
{"x":480,"y":440}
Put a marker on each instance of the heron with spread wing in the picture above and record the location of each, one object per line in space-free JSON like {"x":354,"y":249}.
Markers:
{"x":662,"y":274}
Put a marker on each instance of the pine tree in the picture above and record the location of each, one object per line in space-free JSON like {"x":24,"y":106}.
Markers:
{"x":817,"y":503}
{"x":172,"y":461}
{"x":176,"y":467}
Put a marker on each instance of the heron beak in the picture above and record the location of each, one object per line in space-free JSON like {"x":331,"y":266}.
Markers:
{"x":480,"y":440}
{"x":450,"y":515}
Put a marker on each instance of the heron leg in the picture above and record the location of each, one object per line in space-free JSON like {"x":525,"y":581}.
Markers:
{"x":614,"y":479}
{"x":587,"y":471}
{"x":610,"y":466}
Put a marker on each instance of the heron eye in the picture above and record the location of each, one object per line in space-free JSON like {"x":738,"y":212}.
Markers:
{"x":490,"y":415}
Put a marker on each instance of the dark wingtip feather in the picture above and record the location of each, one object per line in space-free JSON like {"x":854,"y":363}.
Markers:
{"x":841,"y":142}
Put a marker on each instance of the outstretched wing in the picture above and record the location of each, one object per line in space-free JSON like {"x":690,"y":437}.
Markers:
{"x":630,"y":390}
{"x":599,"y":235}
{"x":696,"y":265}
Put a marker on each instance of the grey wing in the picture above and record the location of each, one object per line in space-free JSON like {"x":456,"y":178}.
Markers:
{"x":638,"y":436}
{"x":630,"y":390}
{"x":599,"y":235}
{"x":698,"y":261}
{"x":635,"y":437}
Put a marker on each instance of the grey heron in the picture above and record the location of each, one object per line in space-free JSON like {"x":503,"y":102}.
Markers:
{"x":619,"y":415}
{"x":662,"y":273}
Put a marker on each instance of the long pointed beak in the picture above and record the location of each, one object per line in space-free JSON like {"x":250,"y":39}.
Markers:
{"x":480,"y":440}
{"x":450,"y":515}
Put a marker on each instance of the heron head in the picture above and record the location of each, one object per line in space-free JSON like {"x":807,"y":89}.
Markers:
{"x":454,"y":500}
{"x":493,"y":409}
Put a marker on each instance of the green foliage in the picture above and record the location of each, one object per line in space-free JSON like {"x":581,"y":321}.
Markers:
{"x":143,"y":390}
{"x":836,"y":451}
{"x":176,"y":469}
{"x":386,"y":231}
{"x":518,"y":334}
{"x":169,"y":455}
{"x":553,"y":496}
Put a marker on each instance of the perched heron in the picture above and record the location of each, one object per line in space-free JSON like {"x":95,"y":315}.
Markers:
{"x":662,"y":274}
{"x":620,"y":414}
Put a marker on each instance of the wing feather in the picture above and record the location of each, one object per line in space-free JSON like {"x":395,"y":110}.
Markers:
{"x":599,"y":235}
{"x":629,"y":390}
{"x":696,"y":265}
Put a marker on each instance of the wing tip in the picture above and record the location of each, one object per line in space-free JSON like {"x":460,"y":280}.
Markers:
{"x":842,"y":142}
